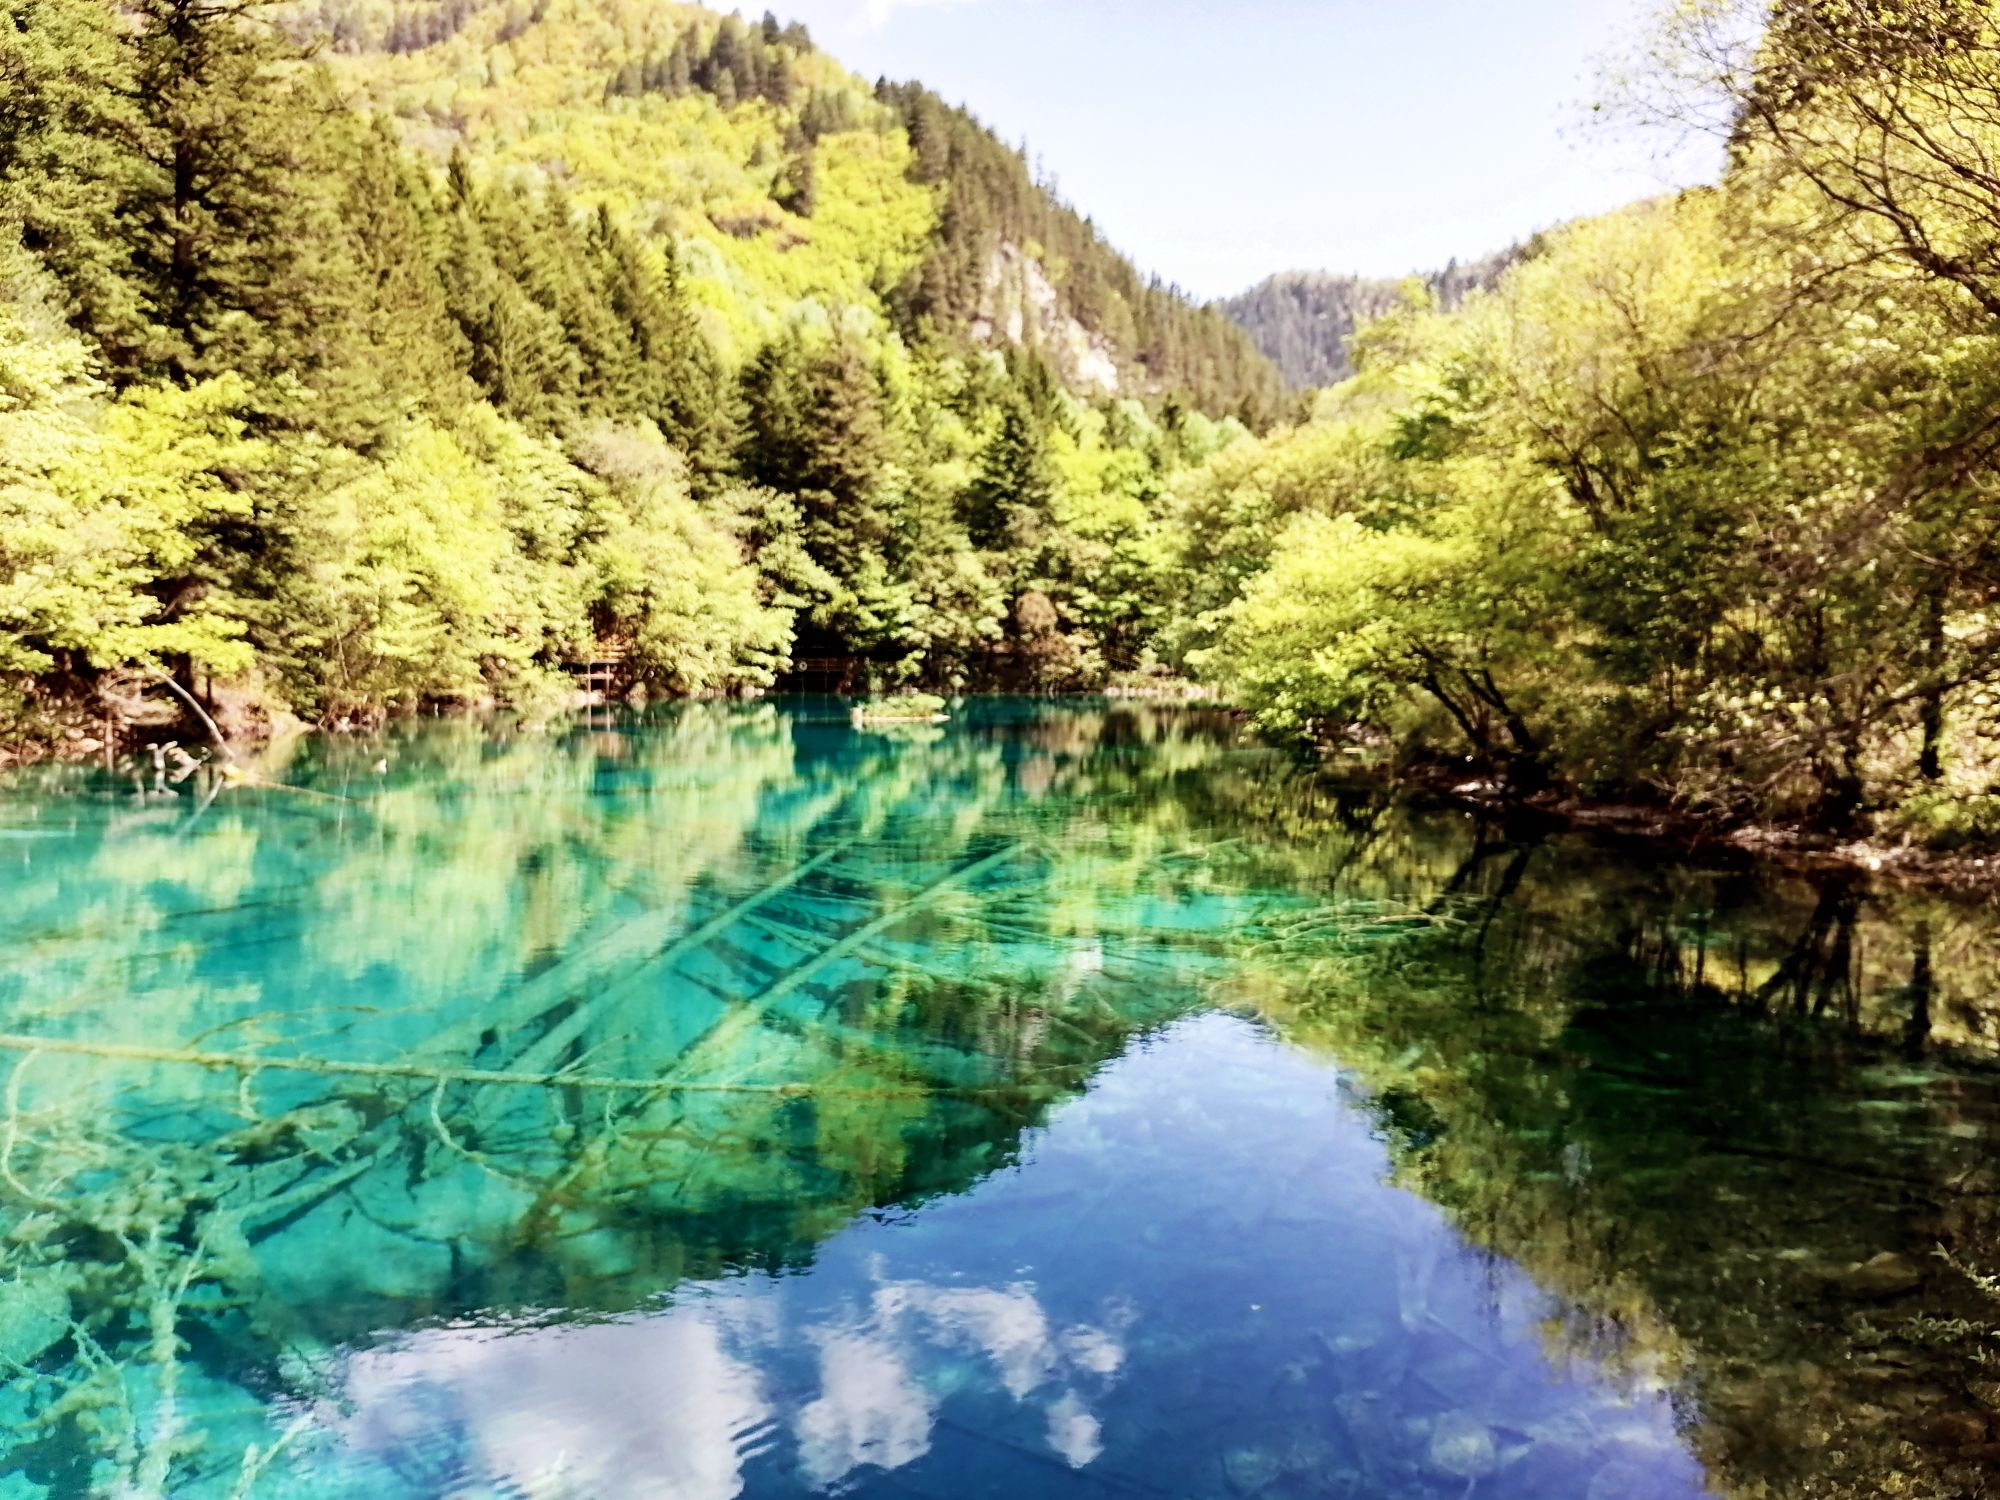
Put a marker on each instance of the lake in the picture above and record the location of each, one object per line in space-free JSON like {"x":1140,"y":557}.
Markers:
{"x":1071,"y":1099}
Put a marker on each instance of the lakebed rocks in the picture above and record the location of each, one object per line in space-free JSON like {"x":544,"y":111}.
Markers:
{"x":34,"y":1313}
{"x":1880,"y":1277}
{"x":1461,"y":1447}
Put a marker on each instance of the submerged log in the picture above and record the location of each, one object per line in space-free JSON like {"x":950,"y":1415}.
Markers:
{"x":637,"y":942}
{"x":433,"y":1073}
{"x":545,"y":1050}
{"x":726,"y":1031}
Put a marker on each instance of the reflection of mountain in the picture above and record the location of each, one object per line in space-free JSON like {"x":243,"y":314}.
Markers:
{"x":530,"y":1031}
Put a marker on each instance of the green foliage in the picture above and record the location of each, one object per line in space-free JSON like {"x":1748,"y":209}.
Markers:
{"x":1305,"y":321}
{"x":509,"y":336}
{"x":415,"y":375}
{"x":736,"y":65}
{"x":120,"y":519}
{"x":814,"y":428}
{"x":1666,"y":513}
{"x":57,"y":580}
{"x":674,"y":579}
{"x":66,"y":113}
{"x":1008,"y":499}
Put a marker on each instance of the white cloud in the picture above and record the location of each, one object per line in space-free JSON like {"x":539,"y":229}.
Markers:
{"x":880,"y":1373}
{"x":870,"y":1409}
{"x":1009,"y":1326}
{"x":1074,"y":1432}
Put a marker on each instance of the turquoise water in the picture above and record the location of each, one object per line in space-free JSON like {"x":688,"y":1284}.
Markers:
{"x":1065,"y":1100}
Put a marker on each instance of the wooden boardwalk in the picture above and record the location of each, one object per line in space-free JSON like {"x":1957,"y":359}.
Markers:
{"x":605,"y":675}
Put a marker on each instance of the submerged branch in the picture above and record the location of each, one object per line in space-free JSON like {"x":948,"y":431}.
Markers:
{"x":437,"y":1074}
{"x":13,"y":1135}
{"x":215,"y":733}
{"x":552,"y":1045}
{"x":725,"y":1032}
{"x":423,"y":1073}
{"x":646,"y":942}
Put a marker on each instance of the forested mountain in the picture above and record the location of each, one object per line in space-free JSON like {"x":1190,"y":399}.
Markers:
{"x":1305,"y":321}
{"x":783,"y":176}
{"x":361,"y":355}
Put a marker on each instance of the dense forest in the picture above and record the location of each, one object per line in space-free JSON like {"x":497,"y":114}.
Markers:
{"x":359,"y":356}
{"x":1304,"y":322}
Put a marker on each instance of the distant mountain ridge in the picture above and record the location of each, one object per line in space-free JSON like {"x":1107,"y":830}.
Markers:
{"x":1302,"y":321}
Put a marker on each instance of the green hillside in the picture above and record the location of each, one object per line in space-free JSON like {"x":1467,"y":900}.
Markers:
{"x":786,"y":180}
{"x":361,"y":357}
{"x":368,"y":356}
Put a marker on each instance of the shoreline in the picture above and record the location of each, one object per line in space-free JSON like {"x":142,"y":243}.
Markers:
{"x":1684,"y":835}
{"x":1689,"y":836}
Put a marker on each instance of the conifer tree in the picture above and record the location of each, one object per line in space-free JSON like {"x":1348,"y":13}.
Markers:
{"x":1013,"y":487}
{"x":704,"y":410}
{"x":517,"y":357}
{"x":675,"y":381}
{"x":223,"y":216}
{"x":67,"y":123}
{"x":777,"y":438}
{"x":543,"y":371}
{"x":564,"y":283}
{"x":778,"y":79}
{"x":526,"y":372}
{"x":814,"y":428}
{"x":797,"y":189}
{"x":387,"y":343}
{"x":849,"y":444}
{"x":930,"y":146}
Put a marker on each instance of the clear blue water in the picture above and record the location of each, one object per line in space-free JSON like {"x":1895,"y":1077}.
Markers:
{"x":1064,"y":1100}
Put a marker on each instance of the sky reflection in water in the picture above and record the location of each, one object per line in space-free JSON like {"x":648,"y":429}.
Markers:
{"x":1196,"y":1281}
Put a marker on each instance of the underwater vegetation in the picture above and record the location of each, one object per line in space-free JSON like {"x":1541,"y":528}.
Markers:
{"x":738,"y":1100}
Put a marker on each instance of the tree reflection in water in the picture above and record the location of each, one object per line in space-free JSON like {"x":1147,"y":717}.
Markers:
{"x":424,"y":1119}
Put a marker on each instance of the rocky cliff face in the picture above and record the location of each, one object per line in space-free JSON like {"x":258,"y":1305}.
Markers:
{"x":1021,"y":306}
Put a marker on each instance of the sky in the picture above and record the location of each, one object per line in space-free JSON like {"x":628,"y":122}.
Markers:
{"x":1218,"y":141}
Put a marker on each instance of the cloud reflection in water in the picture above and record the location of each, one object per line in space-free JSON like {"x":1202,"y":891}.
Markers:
{"x":672,"y":1406}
